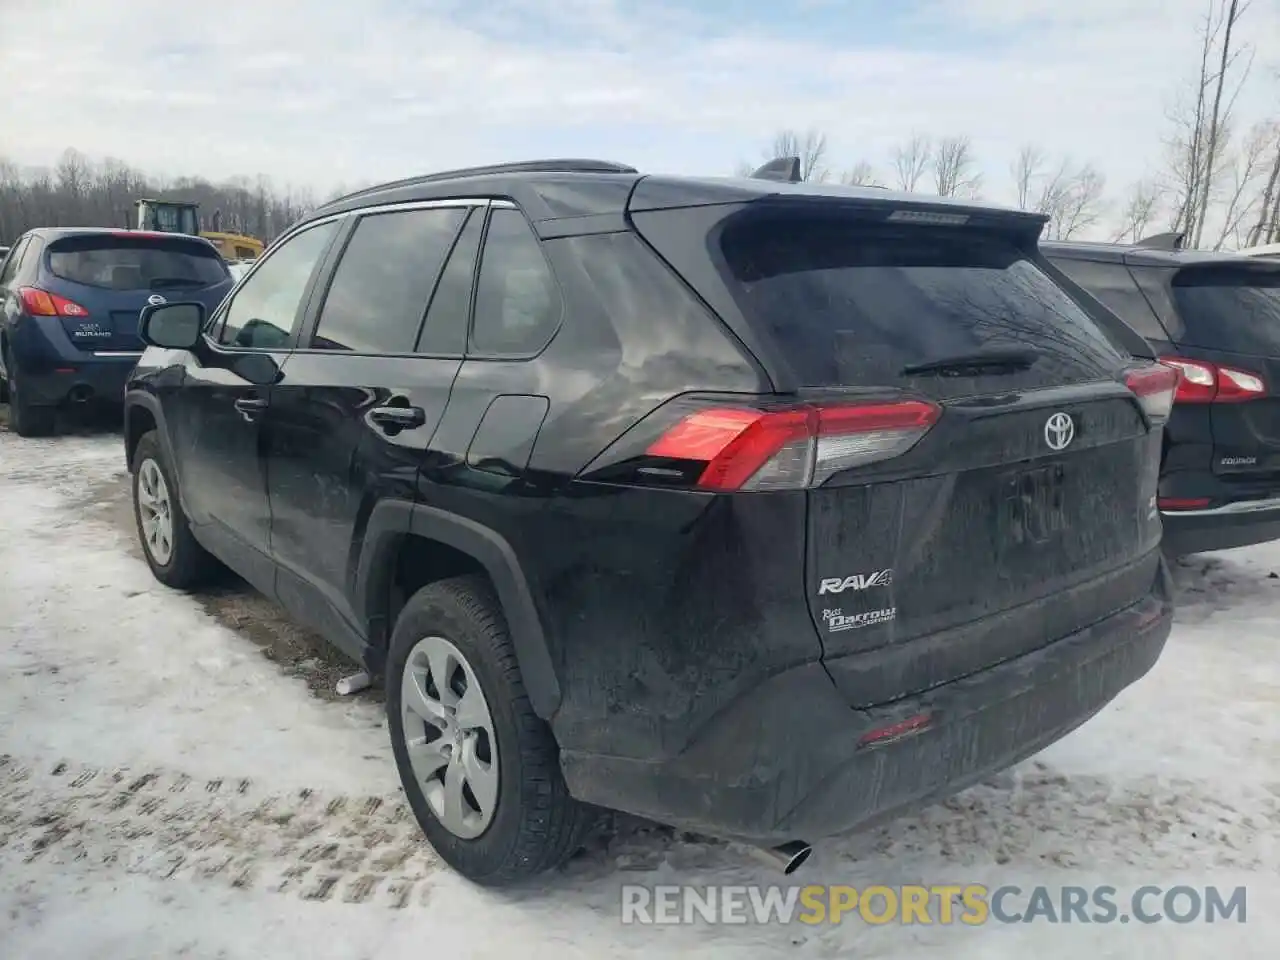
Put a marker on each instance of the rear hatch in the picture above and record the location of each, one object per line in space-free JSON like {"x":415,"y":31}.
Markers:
{"x":1024,"y":511}
{"x":1227,"y":340}
{"x":110,"y":277}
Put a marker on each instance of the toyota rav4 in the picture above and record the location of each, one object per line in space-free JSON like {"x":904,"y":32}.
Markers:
{"x":758,"y":508}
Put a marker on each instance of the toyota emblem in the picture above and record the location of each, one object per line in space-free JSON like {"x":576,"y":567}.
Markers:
{"x":1059,"y":431}
{"x":155,"y":300}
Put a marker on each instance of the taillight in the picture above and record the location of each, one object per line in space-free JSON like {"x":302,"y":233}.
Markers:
{"x":1182,"y":503}
{"x":1154,"y":386}
{"x":743,"y":449}
{"x":41,"y":303}
{"x":1205,"y":382}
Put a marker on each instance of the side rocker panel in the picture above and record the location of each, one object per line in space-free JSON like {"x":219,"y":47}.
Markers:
{"x":393,"y":519}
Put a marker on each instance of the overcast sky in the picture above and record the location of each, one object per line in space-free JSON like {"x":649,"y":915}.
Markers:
{"x":321,"y":92}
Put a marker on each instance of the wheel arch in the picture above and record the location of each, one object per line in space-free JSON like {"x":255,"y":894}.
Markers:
{"x":393,"y":524}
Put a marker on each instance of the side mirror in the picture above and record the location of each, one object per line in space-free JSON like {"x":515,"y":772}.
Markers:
{"x":173,"y":326}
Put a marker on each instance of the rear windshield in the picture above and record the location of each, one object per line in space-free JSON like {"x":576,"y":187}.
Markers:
{"x":136,"y":263}
{"x":1233,"y":310}
{"x":851,"y":303}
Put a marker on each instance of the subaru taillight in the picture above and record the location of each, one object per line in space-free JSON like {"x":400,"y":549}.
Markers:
{"x":41,"y":303}
{"x":1155,"y":387}
{"x":1206,"y":382}
{"x":738,"y":448}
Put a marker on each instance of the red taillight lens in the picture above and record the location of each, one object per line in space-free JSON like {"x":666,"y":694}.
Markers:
{"x":40,"y":303}
{"x":798,"y":447}
{"x":1154,"y":386}
{"x":1205,"y":382}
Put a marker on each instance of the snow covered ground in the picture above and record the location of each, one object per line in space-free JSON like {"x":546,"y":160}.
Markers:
{"x":167,"y":791}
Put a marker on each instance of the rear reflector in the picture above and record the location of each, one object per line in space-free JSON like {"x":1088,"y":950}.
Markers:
{"x":40,"y":303}
{"x":896,"y":731}
{"x":798,"y":447}
{"x":1182,"y":503}
{"x":1155,"y":387}
{"x":1205,"y":382}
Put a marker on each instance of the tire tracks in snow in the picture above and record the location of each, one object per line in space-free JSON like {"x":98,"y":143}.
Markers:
{"x":165,"y":825}
{"x":320,"y":846}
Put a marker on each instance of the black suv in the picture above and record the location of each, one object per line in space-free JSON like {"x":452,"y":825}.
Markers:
{"x":758,"y":508}
{"x":1216,"y":317}
{"x":70,"y":298}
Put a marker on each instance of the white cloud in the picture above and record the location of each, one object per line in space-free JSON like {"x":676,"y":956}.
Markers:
{"x":326,"y":92}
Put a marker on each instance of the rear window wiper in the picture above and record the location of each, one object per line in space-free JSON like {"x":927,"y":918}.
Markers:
{"x":995,"y":360}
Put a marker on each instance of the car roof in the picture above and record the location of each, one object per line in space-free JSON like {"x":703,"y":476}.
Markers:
{"x":49,"y":234}
{"x":561,"y":189}
{"x":1134,"y":254}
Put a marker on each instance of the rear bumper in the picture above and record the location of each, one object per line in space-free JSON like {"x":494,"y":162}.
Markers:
{"x":783,"y":762}
{"x":1238,"y":524}
{"x":95,"y":377}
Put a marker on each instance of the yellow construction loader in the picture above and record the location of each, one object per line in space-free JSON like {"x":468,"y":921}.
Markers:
{"x":181,"y":216}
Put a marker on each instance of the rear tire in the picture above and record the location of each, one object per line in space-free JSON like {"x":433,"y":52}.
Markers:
{"x":25,"y":418}
{"x":171,"y":550}
{"x":519,"y":820}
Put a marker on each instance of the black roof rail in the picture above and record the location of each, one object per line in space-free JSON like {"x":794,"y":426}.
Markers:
{"x":785,"y":169}
{"x":521,"y":166}
{"x":1163,"y":241}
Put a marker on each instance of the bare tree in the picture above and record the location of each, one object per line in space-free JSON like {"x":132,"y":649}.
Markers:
{"x":1139,"y":212}
{"x":80,"y":192}
{"x":1217,"y":121}
{"x":1082,"y":203}
{"x":1245,"y":195}
{"x":910,"y":160}
{"x":1027,"y":169}
{"x":861,"y":174}
{"x":810,"y":146}
{"x":1201,"y":119}
{"x":954,"y":168}
{"x":1266,"y":228}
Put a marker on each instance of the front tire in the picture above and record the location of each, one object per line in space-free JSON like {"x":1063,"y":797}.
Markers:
{"x":171,"y":550}
{"x":480,"y":769}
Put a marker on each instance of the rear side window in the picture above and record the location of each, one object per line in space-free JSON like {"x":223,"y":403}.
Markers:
{"x":851,"y":303}
{"x":517,"y":301}
{"x":1116,"y":289}
{"x":1234,"y":310}
{"x":15,"y":257}
{"x":384,"y":280}
{"x":135,"y":263}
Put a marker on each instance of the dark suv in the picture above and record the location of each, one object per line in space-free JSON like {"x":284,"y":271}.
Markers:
{"x":69,"y":305}
{"x":757,"y":508}
{"x":1216,"y":317}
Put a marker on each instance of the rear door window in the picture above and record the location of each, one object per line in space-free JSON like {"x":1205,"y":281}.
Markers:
{"x":384,"y":280}
{"x":849,"y":303}
{"x":1230,"y":309}
{"x":11,"y":264}
{"x":1116,"y":289}
{"x":121,"y":262}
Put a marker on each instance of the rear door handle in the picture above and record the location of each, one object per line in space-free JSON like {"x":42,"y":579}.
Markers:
{"x":250,"y":407}
{"x":402,"y":418}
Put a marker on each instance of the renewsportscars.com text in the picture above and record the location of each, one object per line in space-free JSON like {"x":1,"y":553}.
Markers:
{"x":943,"y":904}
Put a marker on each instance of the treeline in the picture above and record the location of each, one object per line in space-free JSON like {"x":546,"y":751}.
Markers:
{"x":82,"y":192}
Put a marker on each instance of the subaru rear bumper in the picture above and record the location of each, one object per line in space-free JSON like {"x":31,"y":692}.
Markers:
{"x":791,"y":760}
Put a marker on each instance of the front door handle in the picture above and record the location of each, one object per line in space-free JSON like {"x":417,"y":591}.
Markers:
{"x":250,"y":407}
{"x":399,"y":418}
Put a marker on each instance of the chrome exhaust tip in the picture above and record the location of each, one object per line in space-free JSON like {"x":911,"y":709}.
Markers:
{"x":787,"y":857}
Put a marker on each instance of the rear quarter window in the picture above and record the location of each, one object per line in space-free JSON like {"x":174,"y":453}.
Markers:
{"x":1113,"y":286}
{"x":135,"y":263}
{"x":853,"y":303}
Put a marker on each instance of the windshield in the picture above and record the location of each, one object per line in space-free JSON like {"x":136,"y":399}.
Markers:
{"x":850,"y":303}
{"x":1230,"y":309}
{"x":136,"y":263}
